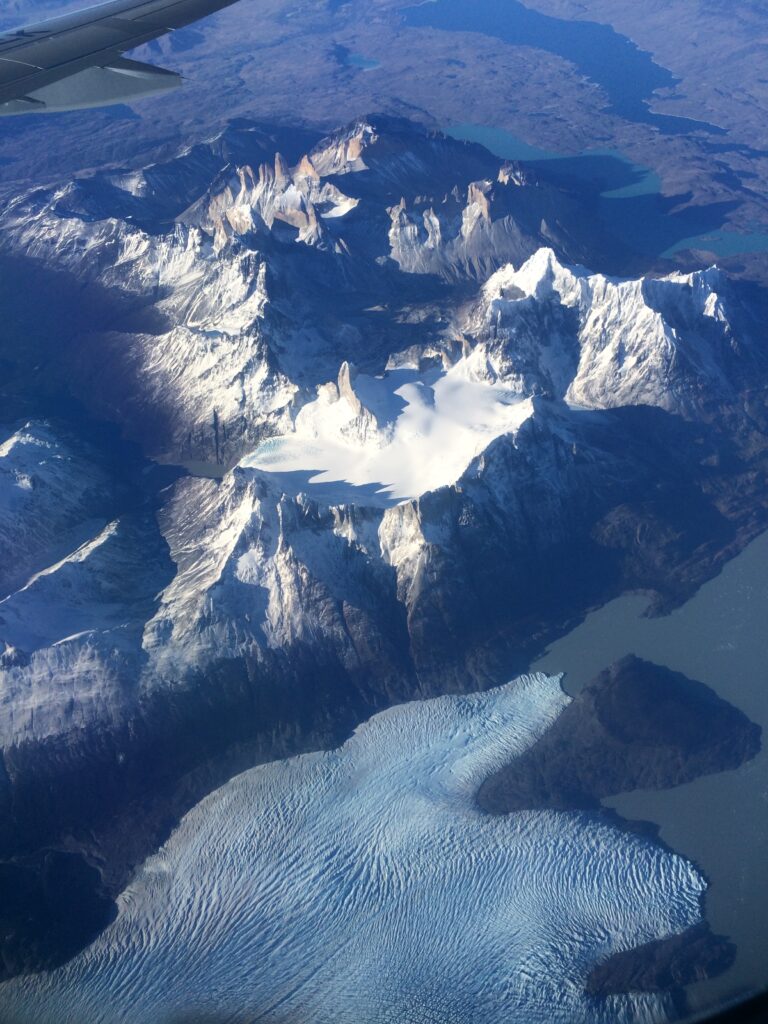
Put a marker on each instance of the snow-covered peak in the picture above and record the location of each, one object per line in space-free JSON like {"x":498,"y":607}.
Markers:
{"x":53,"y":493}
{"x":30,"y":443}
{"x":472,"y":231}
{"x":103,"y":584}
{"x":602,"y":342}
{"x":538,"y":277}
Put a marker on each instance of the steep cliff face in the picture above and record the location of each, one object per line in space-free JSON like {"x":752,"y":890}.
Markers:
{"x":417,"y":441}
{"x":291,"y":320}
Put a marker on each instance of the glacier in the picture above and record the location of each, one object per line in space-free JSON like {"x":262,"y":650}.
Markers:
{"x":231,"y":306}
{"x":541,"y":329}
{"x":365,"y":884}
{"x":404,"y":431}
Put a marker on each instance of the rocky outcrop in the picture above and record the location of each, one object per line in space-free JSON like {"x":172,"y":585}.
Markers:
{"x":213,"y":294}
{"x":52,"y":489}
{"x":603,"y":343}
{"x":665,"y":965}
{"x":637,"y":726}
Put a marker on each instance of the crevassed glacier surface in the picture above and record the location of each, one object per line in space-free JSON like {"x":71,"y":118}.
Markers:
{"x":363,"y":884}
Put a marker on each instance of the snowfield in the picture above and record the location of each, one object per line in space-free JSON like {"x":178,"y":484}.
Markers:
{"x":363,"y":884}
{"x":317,"y":438}
{"x":406,"y":432}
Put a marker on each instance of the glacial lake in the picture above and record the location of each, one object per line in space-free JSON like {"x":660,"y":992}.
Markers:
{"x":637,"y":180}
{"x":629,"y":76}
{"x":719,"y":637}
{"x":356,"y":60}
{"x":626,"y":196}
{"x":722,"y":243}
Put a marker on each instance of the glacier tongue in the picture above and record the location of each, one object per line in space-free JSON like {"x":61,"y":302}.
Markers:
{"x":365,"y":885}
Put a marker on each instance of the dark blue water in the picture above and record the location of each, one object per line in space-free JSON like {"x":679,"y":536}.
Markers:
{"x":628,"y":75}
{"x":645,"y":220}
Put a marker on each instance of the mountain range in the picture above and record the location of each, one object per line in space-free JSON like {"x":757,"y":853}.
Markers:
{"x":307,"y":427}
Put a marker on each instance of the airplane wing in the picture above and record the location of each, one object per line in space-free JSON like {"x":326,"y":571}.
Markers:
{"x":76,"y":61}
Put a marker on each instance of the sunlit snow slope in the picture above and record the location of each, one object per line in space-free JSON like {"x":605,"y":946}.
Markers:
{"x":365,"y":885}
{"x":405,"y":431}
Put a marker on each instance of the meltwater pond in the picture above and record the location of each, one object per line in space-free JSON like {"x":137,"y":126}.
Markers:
{"x":365,"y":884}
{"x":356,"y":60}
{"x":720,"y":821}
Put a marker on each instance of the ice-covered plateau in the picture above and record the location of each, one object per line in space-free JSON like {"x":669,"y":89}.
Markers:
{"x":365,"y":884}
{"x":413,"y":438}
